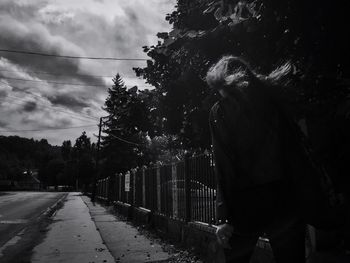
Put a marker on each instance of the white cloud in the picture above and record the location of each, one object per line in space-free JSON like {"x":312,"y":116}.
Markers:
{"x":100,"y":28}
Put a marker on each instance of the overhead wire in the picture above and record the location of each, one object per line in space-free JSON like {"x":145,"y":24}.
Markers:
{"x":24,"y":52}
{"x":123,"y":140}
{"x":54,"y":82}
{"x":112,"y":135}
{"x":65,"y":83}
{"x":78,"y":114}
{"x":57,"y":110}
{"x":57,"y":74}
{"x":46,"y":106}
{"x":47,"y":81}
{"x":49,"y":129}
{"x":72,"y":115}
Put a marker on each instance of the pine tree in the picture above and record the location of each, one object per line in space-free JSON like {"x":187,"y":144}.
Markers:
{"x":126,"y":127}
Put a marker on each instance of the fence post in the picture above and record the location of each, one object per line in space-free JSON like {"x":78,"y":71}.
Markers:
{"x":116,"y":180}
{"x":143,"y":186}
{"x":111,"y":189}
{"x":187,"y":185}
{"x":134,"y":186}
{"x":108,"y":188}
{"x":158,"y":189}
{"x":127,"y":186}
{"x":120,"y":187}
{"x":105,"y":187}
{"x":174,"y":189}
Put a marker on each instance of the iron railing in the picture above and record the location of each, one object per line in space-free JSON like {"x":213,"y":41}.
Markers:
{"x":185,"y":190}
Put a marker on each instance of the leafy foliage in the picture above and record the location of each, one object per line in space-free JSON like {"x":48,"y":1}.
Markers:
{"x":265,"y":33}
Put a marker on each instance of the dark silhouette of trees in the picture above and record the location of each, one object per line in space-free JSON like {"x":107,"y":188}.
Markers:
{"x":128,"y":126}
{"x":82,"y":157}
{"x":21,"y":154}
{"x":309,"y":34}
{"x":55,"y":165}
{"x":265,"y":33}
{"x":66,"y":150}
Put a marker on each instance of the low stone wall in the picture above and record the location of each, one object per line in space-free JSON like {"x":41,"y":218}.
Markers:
{"x":141,"y":216}
{"x":123,"y":209}
{"x":195,"y":236}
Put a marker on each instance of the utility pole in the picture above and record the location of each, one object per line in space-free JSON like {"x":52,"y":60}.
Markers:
{"x":97,"y":161}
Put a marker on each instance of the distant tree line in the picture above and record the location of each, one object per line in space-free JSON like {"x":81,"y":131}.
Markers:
{"x":20,"y":154}
{"x":68,"y":165}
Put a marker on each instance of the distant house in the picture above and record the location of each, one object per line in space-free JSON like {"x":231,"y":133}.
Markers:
{"x":29,"y":181}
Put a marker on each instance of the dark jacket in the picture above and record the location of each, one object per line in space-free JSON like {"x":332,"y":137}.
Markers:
{"x":258,"y":164}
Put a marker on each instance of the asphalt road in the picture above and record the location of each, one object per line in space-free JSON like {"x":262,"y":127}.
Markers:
{"x":20,"y":210}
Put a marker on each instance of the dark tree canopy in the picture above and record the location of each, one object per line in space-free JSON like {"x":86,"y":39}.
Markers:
{"x":21,"y":154}
{"x":309,"y":34}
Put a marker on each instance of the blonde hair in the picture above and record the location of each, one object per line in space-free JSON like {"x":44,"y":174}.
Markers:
{"x":234,"y":71}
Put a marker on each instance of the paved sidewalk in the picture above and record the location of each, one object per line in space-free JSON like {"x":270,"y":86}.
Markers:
{"x":125,"y":243}
{"x":83,"y":231}
{"x":72,"y":237}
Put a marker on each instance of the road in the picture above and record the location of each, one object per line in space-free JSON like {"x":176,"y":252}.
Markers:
{"x":20,"y":211}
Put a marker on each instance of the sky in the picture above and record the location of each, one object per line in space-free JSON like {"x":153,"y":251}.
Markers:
{"x":41,"y":96}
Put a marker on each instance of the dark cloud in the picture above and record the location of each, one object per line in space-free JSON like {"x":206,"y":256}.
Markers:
{"x":3,"y":124}
{"x":3,"y":93}
{"x":18,"y":89}
{"x":20,"y":30}
{"x":30,"y":106}
{"x":99,"y":28}
{"x":68,"y":101}
{"x":132,"y":15}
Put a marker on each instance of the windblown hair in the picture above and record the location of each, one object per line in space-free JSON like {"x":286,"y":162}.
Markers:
{"x":234,"y":71}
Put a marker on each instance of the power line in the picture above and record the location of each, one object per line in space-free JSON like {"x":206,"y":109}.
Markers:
{"x":80,"y":114}
{"x":63,"y":128}
{"x":58,"y":74}
{"x":50,"y":129}
{"x":54,"y":82}
{"x":52,"y":108}
{"x":57,"y":110}
{"x":75,"y":116}
{"x":64,"y":83}
{"x":70,"y":57}
{"x":72,"y":115}
{"x":123,"y":140}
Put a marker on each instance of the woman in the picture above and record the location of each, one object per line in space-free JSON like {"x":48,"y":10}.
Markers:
{"x":256,"y":154}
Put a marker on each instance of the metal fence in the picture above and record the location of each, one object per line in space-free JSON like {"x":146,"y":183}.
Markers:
{"x":185,"y":190}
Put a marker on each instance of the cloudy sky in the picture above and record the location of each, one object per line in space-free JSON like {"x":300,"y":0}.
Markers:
{"x":40,"y":96}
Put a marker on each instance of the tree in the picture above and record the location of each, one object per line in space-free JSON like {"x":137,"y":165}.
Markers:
{"x":66,"y":150}
{"x":128,"y":126}
{"x":265,"y":33}
{"x":54,"y":169}
{"x":83,"y":159}
{"x":20,"y":154}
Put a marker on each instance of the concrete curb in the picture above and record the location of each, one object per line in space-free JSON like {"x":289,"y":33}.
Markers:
{"x":51,"y":210}
{"x":42,"y":216}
